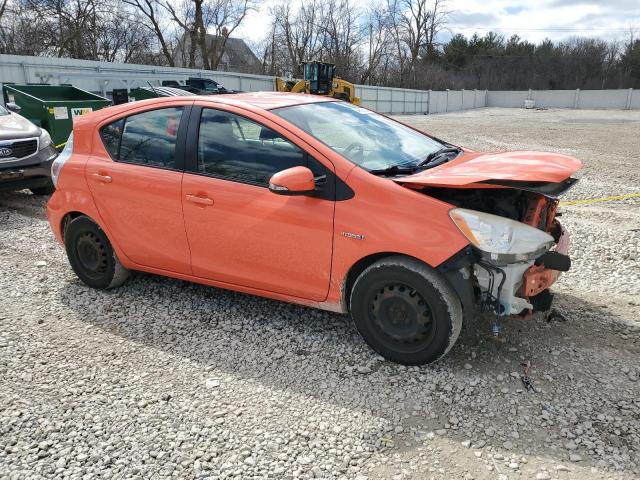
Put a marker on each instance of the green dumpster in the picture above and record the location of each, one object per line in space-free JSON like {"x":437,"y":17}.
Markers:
{"x":53,"y":107}
{"x":144,"y":93}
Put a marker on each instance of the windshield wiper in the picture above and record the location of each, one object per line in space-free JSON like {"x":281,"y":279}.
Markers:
{"x":433,"y":155}
{"x":393,"y":170}
{"x":408,"y":168}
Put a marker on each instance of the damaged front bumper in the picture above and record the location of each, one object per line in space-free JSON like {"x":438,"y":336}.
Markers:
{"x":509,"y":289}
{"x":523,"y":286}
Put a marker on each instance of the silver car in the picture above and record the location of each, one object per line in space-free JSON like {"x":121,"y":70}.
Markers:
{"x":26,"y":153}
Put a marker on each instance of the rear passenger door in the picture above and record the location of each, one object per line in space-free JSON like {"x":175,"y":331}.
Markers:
{"x":239,"y":232}
{"x":135,"y":176}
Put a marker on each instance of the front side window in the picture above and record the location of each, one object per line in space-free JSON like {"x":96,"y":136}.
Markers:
{"x":369,"y":140}
{"x":147,"y":138}
{"x":236,"y":148}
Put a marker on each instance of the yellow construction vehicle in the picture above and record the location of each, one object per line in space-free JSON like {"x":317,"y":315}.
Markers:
{"x":320,"y":79}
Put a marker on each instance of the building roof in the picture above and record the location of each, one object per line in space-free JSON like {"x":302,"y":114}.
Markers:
{"x":237,"y":55}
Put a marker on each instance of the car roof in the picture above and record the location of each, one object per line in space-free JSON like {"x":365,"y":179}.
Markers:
{"x":250,"y":101}
{"x":268,"y":100}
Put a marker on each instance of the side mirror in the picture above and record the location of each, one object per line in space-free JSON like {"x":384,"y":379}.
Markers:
{"x":293,"y":181}
{"x":14,"y":107}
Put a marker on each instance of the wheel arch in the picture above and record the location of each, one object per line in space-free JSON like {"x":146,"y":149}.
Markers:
{"x":73,"y":214}
{"x":102,"y":269}
{"x":66,"y":219}
{"x":361,"y":265}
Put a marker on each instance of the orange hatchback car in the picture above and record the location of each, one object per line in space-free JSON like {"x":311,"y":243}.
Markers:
{"x":313,"y":201}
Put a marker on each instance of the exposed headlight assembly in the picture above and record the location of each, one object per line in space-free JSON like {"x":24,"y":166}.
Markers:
{"x":501,"y":240}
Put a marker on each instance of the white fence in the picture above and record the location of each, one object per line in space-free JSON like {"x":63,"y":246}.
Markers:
{"x":622,"y":99}
{"x":402,"y":100}
{"x":393,"y":100}
{"x":103,"y":77}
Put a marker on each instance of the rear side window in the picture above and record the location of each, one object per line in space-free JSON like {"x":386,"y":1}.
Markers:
{"x":111,"y":135}
{"x":233,"y":147}
{"x":147,"y":138}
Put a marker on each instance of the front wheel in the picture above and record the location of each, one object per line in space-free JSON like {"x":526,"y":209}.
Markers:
{"x":91,"y":255}
{"x":406,"y":311}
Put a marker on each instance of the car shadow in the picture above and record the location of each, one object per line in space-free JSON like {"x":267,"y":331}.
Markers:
{"x":320,"y":355}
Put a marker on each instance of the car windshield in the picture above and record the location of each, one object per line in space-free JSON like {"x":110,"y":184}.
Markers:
{"x":369,"y":140}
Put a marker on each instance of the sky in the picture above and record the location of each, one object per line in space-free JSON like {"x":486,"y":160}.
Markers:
{"x":533,"y":20}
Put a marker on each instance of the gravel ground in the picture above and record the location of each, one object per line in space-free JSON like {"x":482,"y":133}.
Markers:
{"x":162,"y":378}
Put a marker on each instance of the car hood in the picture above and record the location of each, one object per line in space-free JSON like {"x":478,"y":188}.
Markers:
{"x":14,"y":126}
{"x":500,"y":167}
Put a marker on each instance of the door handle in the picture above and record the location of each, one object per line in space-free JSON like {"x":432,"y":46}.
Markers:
{"x":204,"y":201}
{"x":102,"y":178}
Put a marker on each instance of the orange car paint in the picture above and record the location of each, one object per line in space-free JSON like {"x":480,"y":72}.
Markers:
{"x":534,"y":213}
{"x":536,"y":279}
{"x":246,"y":238}
{"x":478,"y":167}
{"x":296,"y":179}
{"x":252,"y":237}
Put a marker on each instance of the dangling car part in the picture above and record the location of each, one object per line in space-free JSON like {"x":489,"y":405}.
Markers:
{"x":510,"y":221}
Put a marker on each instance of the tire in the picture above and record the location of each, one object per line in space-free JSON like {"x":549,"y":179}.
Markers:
{"x":48,"y":189}
{"x":91,"y":255}
{"x":406,"y":311}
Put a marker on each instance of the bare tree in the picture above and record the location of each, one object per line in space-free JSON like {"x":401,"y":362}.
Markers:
{"x":317,"y":30}
{"x":415,"y":25}
{"x":223,"y":17}
{"x":341,"y":36}
{"x":85,"y":29}
{"x":299,"y":32}
{"x":197,"y":18}
{"x":182,"y":15}
{"x":155,"y":23}
{"x":272,"y":56}
{"x":397,"y":43}
{"x":437,"y":21}
{"x":409,"y":21}
{"x":3,"y":8}
{"x":22,"y":31}
{"x":379,"y":43}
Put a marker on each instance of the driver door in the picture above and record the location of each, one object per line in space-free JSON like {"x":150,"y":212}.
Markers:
{"x":239,"y":232}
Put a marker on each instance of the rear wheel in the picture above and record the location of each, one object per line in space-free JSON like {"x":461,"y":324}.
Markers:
{"x":91,"y":255}
{"x":406,"y":311}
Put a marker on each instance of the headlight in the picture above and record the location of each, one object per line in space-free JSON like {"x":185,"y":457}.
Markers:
{"x":45,"y":139}
{"x":60,"y":160}
{"x":501,"y":240}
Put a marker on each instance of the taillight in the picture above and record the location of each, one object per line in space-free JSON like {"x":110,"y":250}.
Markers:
{"x":61,"y":159}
